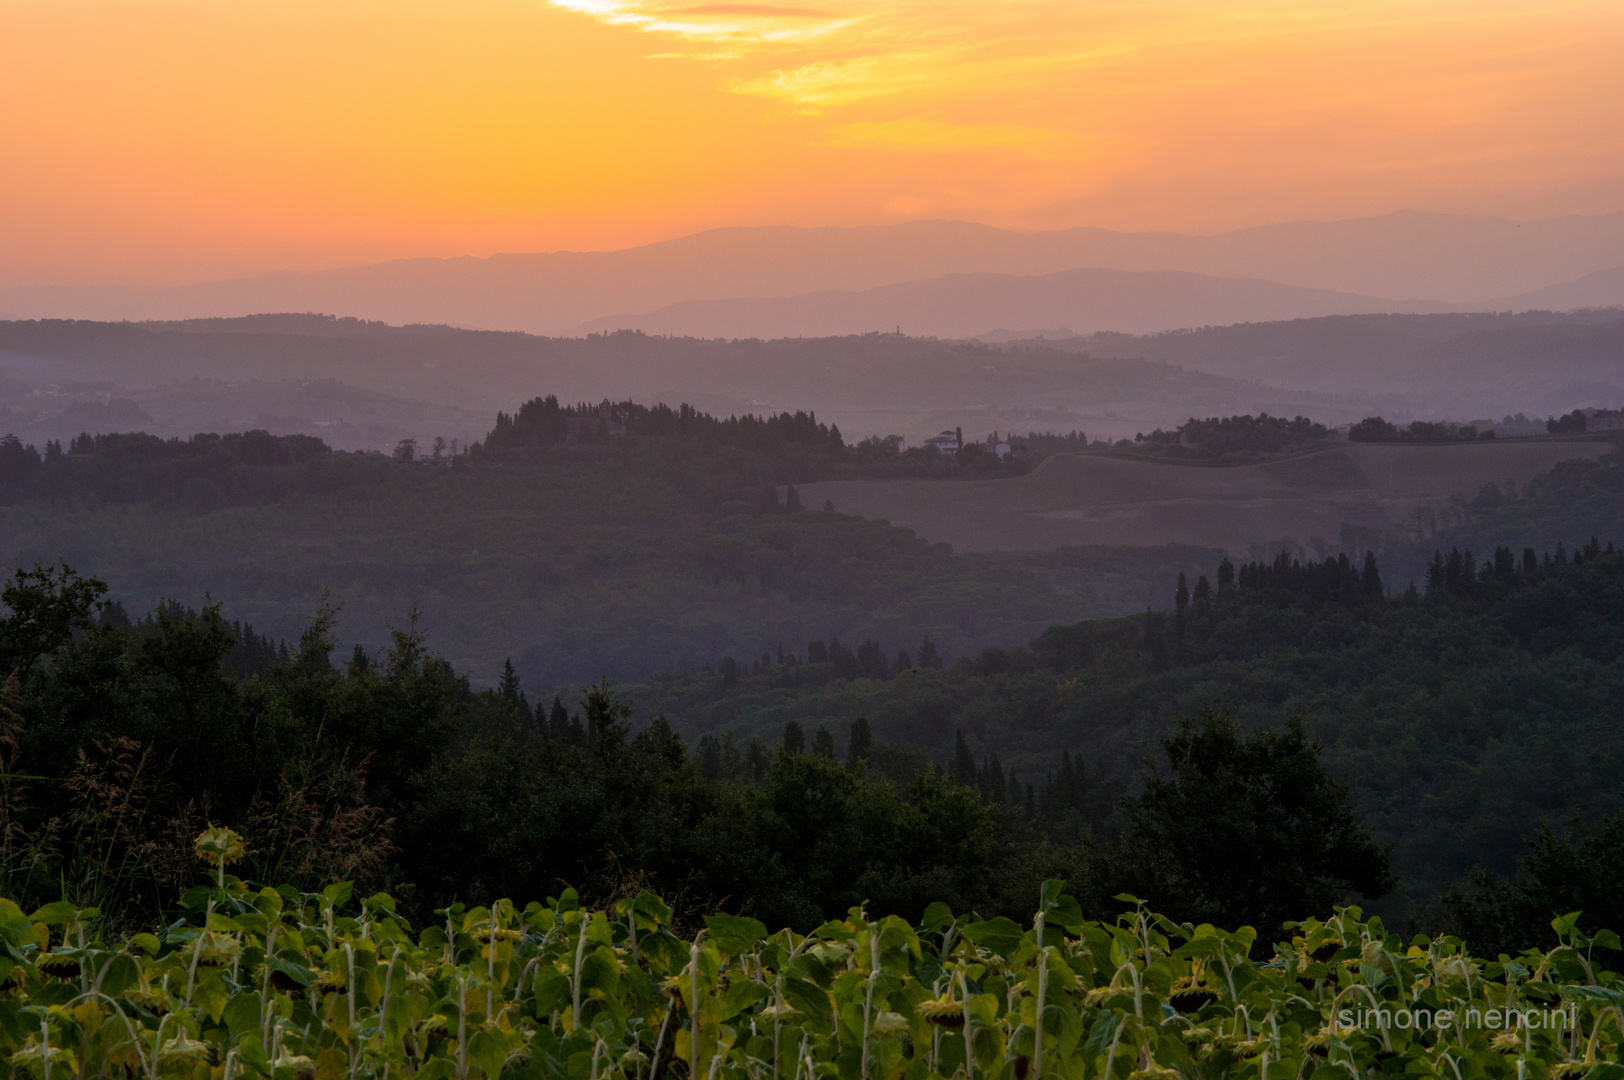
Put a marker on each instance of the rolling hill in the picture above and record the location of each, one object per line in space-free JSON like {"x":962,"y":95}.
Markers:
{"x":1075,"y":500}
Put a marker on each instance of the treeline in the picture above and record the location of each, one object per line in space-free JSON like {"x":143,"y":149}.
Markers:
{"x":1374,"y":429}
{"x":1233,"y":437}
{"x":204,"y":472}
{"x":794,"y":447}
{"x":796,"y":442}
{"x":1575,"y":499}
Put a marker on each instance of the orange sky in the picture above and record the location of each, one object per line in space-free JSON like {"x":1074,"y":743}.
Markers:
{"x":154,"y":142}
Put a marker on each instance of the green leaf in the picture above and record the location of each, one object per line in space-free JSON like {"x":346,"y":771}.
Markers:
{"x":243,"y":1014}
{"x":19,"y":932}
{"x":651,"y":907}
{"x":806,"y":997}
{"x":552,"y":991}
{"x":338,"y":895}
{"x":437,"y":1069}
{"x":735,"y":934}
{"x":740,"y":996}
{"x":938,"y":917}
{"x":1001,"y":935}
{"x":119,"y":974}
{"x":1100,"y":1036}
{"x":59,"y":913}
{"x":1066,"y":914}
{"x":252,"y":1053}
{"x":490,"y":1047}
{"x":1049,"y":894}
{"x":600,"y":970}
{"x":1607,"y":940}
{"x":213,"y":995}
{"x":297,"y":972}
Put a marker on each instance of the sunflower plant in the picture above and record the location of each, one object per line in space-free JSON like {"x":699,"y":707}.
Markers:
{"x":260,"y":983}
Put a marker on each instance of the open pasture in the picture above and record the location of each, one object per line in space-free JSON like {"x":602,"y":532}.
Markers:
{"x":1084,"y":499}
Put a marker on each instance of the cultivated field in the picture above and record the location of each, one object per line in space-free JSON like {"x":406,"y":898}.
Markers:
{"x":1073,"y":499}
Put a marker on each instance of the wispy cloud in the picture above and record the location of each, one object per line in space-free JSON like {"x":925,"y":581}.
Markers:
{"x":708,"y":24}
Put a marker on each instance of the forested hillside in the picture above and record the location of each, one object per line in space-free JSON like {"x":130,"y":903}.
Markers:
{"x":1462,"y":712}
{"x":611,"y":539}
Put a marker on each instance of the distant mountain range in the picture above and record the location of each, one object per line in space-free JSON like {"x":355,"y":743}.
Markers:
{"x":778,"y":280}
{"x":970,"y":305}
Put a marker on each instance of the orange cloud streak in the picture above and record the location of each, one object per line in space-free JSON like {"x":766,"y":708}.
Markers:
{"x":164,"y":140}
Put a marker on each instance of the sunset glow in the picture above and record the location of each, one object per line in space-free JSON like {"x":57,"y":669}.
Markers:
{"x":155,"y":142}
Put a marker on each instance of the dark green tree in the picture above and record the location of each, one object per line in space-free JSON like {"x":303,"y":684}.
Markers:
{"x":1181,"y":607}
{"x":1201,"y":597}
{"x":859,"y":742}
{"x":509,"y":690}
{"x":1247,"y":829}
{"x":794,"y":738}
{"x":46,"y":605}
{"x":964,"y":762}
{"x":1582,"y":870}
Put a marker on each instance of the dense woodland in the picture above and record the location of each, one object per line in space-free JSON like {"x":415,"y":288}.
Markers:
{"x":1463,"y":710}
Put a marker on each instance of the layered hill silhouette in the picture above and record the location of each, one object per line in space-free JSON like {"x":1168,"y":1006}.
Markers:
{"x":1439,"y":259}
{"x":424,"y":380}
{"x":969,"y":305}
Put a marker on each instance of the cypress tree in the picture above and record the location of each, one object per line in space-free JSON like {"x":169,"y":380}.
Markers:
{"x":964,"y":763}
{"x":859,"y":741}
{"x":1370,"y":579}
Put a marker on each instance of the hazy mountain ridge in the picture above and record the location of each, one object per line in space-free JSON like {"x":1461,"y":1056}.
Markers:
{"x":968,"y":305}
{"x":1461,"y":364}
{"x":868,"y":384}
{"x":428,"y":378}
{"x":1442,"y":258}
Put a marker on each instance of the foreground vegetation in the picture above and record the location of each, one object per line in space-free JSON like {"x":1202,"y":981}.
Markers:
{"x":283,"y":984}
